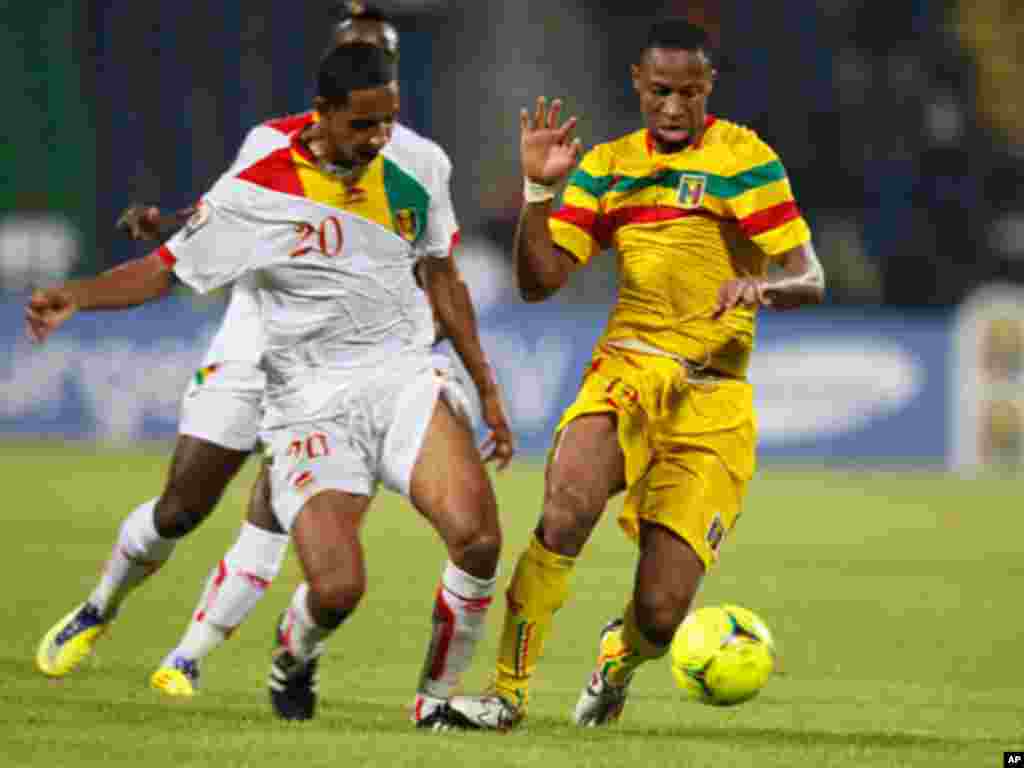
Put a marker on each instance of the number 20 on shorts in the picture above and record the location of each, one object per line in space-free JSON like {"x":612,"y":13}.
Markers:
{"x":313,"y":447}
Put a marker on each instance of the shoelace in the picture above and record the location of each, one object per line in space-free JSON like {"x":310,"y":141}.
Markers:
{"x":87,"y":617}
{"x":187,"y":667}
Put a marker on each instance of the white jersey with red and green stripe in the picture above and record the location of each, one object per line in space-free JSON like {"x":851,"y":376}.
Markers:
{"x":333,"y":263}
{"x":239,"y":339}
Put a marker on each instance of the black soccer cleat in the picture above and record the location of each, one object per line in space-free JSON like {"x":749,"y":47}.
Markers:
{"x":292,"y":683}
{"x":444,"y":718}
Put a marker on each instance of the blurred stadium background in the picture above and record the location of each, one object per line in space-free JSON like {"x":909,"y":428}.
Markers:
{"x":900,"y":124}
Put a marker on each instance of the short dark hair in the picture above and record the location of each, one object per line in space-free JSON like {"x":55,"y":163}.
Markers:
{"x":352,"y":9}
{"x":347,"y":13}
{"x":677,"y":34}
{"x":354,"y":68}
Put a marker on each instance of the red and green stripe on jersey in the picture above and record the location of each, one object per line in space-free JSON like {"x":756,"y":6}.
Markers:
{"x":732,"y":176}
{"x":385,"y":193}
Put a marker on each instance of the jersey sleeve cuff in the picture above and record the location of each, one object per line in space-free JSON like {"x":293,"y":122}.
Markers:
{"x":440,"y":252}
{"x":166,"y":256}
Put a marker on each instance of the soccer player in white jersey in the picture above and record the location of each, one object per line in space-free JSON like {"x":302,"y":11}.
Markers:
{"x":221,"y":413}
{"x":354,"y":397}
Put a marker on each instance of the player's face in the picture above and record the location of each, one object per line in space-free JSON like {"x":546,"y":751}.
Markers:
{"x":674,"y":87}
{"x":367,"y":31}
{"x":356,"y":133}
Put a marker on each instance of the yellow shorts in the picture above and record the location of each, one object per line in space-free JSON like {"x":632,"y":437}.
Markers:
{"x":688,"y":443}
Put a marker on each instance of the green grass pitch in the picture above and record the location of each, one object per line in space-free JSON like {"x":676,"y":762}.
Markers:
{"x":894,"y":597}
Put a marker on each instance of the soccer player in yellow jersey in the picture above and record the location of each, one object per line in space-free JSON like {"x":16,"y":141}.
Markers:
{"x":696,"y":208}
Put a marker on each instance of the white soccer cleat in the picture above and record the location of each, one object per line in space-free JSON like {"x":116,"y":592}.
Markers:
{"x":600,"y":702}
{"x":488,"y":713}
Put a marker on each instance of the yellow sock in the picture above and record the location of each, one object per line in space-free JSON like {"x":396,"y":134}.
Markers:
{"x":539,"y":587}
{"x":625,"y":649}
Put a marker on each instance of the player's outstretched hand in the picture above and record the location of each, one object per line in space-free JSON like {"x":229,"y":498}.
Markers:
{"x":499,"y":446}
{"x":547,"y":149}
{"x":47,"y":310}
{"x":145,"y":222}
{"x":742,"y":291}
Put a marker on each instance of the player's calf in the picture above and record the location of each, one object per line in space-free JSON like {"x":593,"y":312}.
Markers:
{"x":179,"y":512}
{"x":199,"y":473}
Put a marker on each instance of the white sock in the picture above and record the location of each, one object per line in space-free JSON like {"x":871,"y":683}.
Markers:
{"x":460,"y":609}
{"x":233,"y":589}
{"x":138,"y":553}
{"x":301,"y":634}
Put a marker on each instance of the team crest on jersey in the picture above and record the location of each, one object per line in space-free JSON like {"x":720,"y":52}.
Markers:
{"x":691,"y":189}
{"x":408,"y":224}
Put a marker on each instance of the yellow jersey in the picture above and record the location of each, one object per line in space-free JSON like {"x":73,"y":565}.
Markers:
{"x":682,"y":224}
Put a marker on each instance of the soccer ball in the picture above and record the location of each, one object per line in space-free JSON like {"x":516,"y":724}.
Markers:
{"x":722,"y":655}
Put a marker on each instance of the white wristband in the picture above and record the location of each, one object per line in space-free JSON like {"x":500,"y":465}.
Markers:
{"x":535,"y":192}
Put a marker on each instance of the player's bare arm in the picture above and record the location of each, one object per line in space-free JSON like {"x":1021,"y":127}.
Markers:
{"x":548,"y":152}
{"x":128,"y":285}
{"x":801,"y":281}
{"x":453,"y":308}
{"x":148,"y":222}
{"x":440,"y":332}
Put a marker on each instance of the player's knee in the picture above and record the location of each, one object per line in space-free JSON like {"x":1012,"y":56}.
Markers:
{"x":471,"y":530}
{"x":574,"y":498}
{"x":571,"y":509}
{"x":481,"y":553}
{"x":178,"y":512}
{"x":659,"y":612}
{"x":336,"y":594}
{"x":476,"y":547}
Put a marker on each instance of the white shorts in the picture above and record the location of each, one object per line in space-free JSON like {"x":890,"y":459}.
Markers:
{"x":376,"y":439}
{"x":223,"y":404}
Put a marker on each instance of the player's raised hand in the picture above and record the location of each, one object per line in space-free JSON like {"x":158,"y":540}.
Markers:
{"x":46,"y":311}
{"x":548,"y":149}
{"x":499,"y":446}
{"x":145,"y":222}
{"x":741,"y":291}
